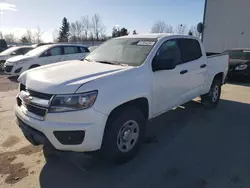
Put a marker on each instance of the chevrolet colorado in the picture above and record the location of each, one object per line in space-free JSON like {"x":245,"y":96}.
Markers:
{"x":103,"y":102}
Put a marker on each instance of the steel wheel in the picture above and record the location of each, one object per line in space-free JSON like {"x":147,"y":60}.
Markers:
{"x":128,"y":136}
{"x":215,"y":94}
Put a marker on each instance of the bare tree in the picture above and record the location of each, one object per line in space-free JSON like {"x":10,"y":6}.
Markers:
{"x":38,"y":35}
{"x":169,"y":29}
{"x":194,"y":31}
{"x":86,"y":26}
{"x":158,"y":27}
{"x":72,"y":32}
{"x":55,"y":35}
{"x":181,"y":29}
{"x":97,"y":26}
{"x":79,"y":30}
{"x":10,"y":38}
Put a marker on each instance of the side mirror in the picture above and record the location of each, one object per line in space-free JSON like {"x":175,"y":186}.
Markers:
{"x":163,"y":64}
{"x":13,"y":53}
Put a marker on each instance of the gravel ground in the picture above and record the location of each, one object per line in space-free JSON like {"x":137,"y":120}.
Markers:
{"x":188,"y":147}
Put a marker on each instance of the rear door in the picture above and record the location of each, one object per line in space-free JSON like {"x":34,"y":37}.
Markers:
{"x":197,"y":64}
{"x":72,"y":53}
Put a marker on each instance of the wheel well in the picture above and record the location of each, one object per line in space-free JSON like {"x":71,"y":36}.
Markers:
{"x":219,"y":76}
{"x":34,"y":66}
{"x":141,"y":104}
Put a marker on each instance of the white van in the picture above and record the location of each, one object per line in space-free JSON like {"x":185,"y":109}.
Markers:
{"x":44,"y":55}
{"x":13,"y":51}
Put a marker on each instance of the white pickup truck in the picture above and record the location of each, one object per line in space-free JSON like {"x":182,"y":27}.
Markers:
{"x":103,"y":102}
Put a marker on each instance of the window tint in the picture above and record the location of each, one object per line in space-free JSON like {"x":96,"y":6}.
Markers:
{"x":70,"y":50}
{"x":170,"y":50}
{"x":25,"y":50}
{"x":190,"y":49}
{"x":19,"y":52}
{"x":55,"y":51}
{"x":83,"y":50}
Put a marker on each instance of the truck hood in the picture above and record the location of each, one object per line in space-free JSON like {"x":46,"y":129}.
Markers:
{"x":19,"y":58}
{"x":235,"y":62}
{"x":66,"y":77}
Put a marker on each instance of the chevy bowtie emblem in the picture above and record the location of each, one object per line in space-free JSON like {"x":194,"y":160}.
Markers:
{"x":25,"y":97}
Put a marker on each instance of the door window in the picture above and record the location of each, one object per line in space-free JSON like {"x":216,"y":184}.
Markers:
{"x":55,"y":51}
{"x":190,"y":49}
{"x":169,"y":50}
{"x":70,"y":50}
{"x":25,"y":50}
{"x":84,"y":50}
{"x":19,"y":51}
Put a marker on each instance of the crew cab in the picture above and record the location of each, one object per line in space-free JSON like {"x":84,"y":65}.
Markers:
{"x":43,"y":55}
{"x":103,"y":102}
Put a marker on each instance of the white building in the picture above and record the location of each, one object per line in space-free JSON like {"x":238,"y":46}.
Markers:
{"x":227,"y":25}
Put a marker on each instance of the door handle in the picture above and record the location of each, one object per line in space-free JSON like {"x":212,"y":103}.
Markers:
{"x":183,"y":71}
{"x":203,"y":66}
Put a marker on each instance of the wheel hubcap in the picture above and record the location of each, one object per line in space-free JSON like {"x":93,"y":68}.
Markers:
{"x":215,"y":93}
{"x":127,"y":136}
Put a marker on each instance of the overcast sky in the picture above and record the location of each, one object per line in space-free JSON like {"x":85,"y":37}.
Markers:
{"x":19,"y":15}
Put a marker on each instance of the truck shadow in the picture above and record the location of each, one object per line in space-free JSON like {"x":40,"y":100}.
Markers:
{"x":186,"y":147}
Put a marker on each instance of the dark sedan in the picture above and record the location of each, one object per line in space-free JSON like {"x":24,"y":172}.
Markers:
{"x":239,"y":64}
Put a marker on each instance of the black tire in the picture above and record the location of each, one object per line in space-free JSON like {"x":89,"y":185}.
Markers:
{"x":110,"y":149}
{"x":210,"y":100}
{"x":34,"y":66}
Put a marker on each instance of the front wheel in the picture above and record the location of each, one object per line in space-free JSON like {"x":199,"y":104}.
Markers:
{"x":123,"y":136}
{"x":212,"y":98}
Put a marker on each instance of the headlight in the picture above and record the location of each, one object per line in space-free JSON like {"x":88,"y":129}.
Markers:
{"x":64,"y":103}
{"x":241,"y":67}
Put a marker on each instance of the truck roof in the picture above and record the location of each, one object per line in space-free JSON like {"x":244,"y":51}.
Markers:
{"x":157,"y":35}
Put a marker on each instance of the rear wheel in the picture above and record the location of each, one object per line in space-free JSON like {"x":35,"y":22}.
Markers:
{"x":212,"y":98}
{"x":123,"y":136}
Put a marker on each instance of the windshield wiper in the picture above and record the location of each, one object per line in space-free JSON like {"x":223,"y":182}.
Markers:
{"x":108,"y":62}
{"x":112,"y":63}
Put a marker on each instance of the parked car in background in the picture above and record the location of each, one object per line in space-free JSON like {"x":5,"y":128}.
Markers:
{"x":239,"y":64}
{"x":44,"y":55}
{"x":3,"y":45}
{"x":11,"y":52}
{"x":103,"y":102}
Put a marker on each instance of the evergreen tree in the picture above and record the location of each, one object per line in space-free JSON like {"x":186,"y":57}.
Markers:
{"x":64,"y":31}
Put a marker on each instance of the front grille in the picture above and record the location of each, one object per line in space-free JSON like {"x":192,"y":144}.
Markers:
{"x":33,"y":108}
{"x":8,"y":68}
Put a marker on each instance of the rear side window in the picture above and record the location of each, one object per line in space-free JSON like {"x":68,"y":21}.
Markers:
{"x":190,"y":49}
{"x":25,"y":50}
{"x":83,"y":49}
{"x":70,"y":50}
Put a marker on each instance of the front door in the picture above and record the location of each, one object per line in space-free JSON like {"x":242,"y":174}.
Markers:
{"x":170,"y":86}
{"x":52,"y":55}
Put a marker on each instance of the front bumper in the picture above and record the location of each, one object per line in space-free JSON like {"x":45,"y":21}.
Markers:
{"x":241,"y":74}
{"x":84,"y":128}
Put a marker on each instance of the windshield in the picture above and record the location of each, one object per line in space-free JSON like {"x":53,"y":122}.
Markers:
{"x":9,"y":51}
{"x":37,"y":51}
{"x":239,"y":54}
{"x":130,"y":51}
